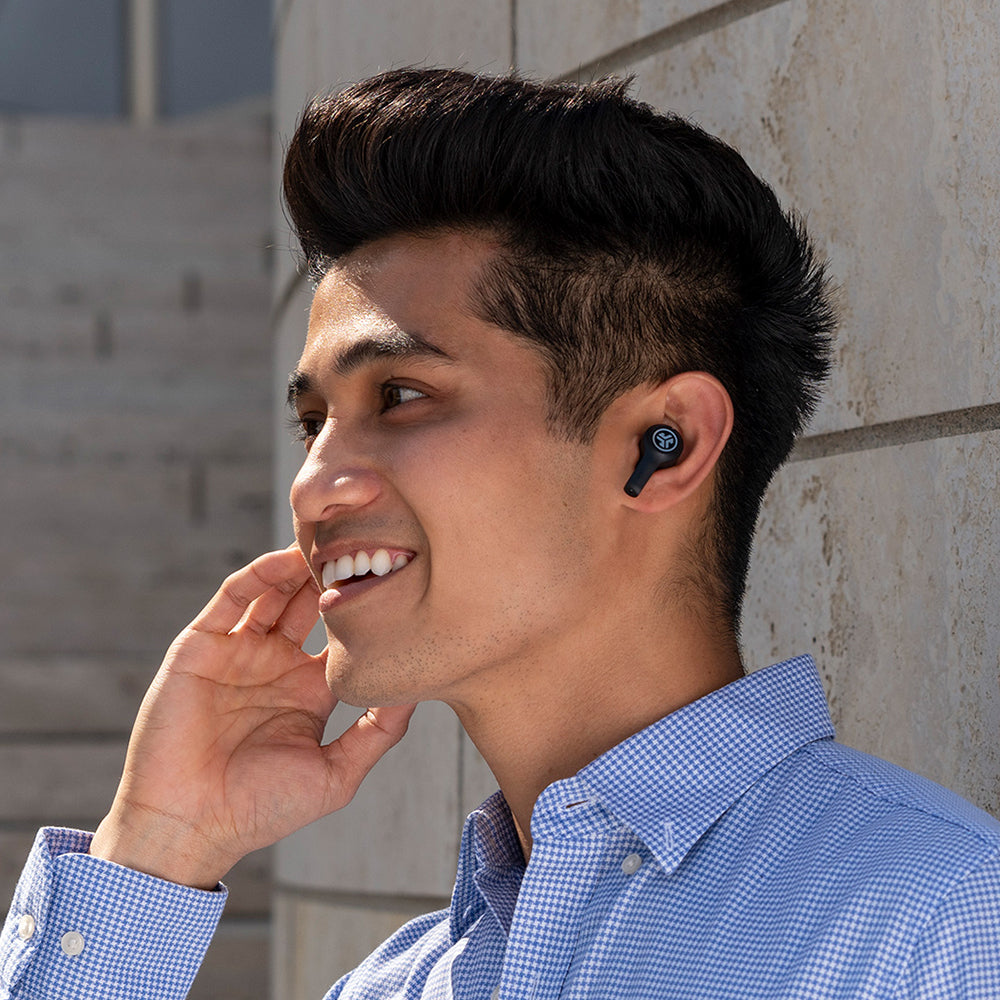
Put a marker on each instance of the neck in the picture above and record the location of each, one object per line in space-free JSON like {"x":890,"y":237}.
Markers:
{"x":545,"y":720}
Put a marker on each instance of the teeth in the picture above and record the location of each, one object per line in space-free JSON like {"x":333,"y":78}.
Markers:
{"x":360,"y":564}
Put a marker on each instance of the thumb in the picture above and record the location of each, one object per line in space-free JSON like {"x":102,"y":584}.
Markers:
{"x":351,"y":756}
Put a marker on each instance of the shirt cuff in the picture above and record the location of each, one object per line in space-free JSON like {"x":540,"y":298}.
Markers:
{"x":85,"y":927}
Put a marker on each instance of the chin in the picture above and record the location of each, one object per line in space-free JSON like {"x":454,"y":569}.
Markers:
{"x":352,"y":682}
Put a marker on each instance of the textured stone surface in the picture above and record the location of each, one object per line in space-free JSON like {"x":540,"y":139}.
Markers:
{"x":135,"y":448}
{"x":124,"y":214}
{"x":891,"y":150}
{"x":134,"y":383}
{"x":554,"y":37}
{"x":477,"y":779}
{"x":237,"y":965}
{"x":883,"y":565}
{"x":55,"y":694}
{"x":289,"y":338}
{"x":319,"y":48}
{"x":317,"y":940}
{"x":249,"y":885}
{"x":297,"y":80}
{"x":57,"y":784}
{"x":96,"y":579}
{"x":366,"y":36}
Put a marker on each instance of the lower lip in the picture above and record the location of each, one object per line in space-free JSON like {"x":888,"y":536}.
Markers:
{"x":333,"y":597}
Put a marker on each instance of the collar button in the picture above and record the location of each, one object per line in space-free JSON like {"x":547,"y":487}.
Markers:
{"x":631,"y":864}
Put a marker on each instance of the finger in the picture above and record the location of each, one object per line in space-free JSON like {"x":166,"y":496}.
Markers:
{"x":356,"y":752}
{"x":287,"y":614}
{"x":297,"y":620}
{"x":284,"y":571}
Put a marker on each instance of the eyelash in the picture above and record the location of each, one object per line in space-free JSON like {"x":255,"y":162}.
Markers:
{"x":300,"y":426}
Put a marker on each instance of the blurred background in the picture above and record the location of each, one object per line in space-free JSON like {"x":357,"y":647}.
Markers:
{"x":150,"y":311}
{"x":136,"y":248}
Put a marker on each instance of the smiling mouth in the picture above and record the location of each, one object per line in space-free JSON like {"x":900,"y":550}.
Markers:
{"x":360,"y":565}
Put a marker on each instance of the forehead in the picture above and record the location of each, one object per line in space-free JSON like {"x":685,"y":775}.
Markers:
{"x":401,"y":285}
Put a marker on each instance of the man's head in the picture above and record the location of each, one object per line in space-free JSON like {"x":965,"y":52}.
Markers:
{"x":630,"y":246}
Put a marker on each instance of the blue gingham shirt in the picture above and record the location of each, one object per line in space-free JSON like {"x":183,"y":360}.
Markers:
{"x":731,"y":850}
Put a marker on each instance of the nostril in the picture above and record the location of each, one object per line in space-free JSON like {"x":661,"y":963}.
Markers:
{"x":319,"y":491}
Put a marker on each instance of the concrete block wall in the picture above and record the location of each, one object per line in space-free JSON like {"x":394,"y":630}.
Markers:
{"x":135,"y":449}
{"x":878,"y":546}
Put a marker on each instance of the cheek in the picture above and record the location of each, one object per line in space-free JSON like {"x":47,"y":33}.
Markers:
{"x":304,"y":534}
{"x":519,"y":526}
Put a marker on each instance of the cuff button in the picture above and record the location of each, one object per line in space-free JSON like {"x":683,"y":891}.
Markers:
{"x":72,"y":943}
{"x":26,"y":927}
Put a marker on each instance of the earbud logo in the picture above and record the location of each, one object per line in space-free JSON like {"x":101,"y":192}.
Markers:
{"x":664,"y":439}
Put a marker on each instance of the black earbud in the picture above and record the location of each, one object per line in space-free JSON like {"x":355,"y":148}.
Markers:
{"x":660,"y":447}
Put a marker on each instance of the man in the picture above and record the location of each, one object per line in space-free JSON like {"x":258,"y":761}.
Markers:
{"x":558,"y":347}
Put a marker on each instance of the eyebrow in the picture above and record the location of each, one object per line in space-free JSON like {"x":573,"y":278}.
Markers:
{"x":368,"y":350}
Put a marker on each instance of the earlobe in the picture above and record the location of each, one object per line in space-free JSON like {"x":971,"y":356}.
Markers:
{"x":677,"y":454}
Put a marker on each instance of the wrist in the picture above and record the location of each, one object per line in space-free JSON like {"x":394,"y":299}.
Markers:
{"x":159,"y":846}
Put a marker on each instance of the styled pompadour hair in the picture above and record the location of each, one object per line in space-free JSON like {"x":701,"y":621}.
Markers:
{"x":632,"y":246}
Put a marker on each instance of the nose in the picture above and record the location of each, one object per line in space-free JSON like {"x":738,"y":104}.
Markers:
{"x":332,"y":480}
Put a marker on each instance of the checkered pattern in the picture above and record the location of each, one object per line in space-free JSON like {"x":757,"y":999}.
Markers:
{"x":142,"y":938}
{"x":774,"y":864}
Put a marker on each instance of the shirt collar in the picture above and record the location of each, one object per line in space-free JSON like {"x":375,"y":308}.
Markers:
{"x":669,"y":783}
{"x":672,"y":781}
{"x":490,"y":865}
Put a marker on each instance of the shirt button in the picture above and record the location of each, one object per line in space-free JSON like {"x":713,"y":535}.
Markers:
{"x":631,"y":864}
{"x":495,"y":995}
{"x":26,"y":927}
{"x":72,"y":943}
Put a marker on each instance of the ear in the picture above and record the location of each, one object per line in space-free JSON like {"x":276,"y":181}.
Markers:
{"x":698,"y":407}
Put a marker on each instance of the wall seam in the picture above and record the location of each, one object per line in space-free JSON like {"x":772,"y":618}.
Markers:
{"x":685,"y":30}
{"x":280,"y":18}
{"x":513,"y":35}
{"x":952,"y":423}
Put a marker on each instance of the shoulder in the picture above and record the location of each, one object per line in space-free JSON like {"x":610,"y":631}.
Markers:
{"x":900,"y":826}
{"x":861,"y":852}
{"x":893,"y":790}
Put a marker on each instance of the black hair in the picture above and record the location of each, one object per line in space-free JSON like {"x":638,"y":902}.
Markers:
{"x":632,"y":246}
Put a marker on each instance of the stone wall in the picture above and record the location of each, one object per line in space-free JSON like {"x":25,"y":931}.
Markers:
{"x":878,"y":547}
{"x":135,"y":449}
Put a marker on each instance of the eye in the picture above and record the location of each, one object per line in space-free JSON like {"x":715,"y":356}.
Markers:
{"x":306,"y":428}
{"x":393,"y":395}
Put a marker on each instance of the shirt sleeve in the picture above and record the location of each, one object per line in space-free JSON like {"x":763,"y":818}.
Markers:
{"x":958,"y":955}
{"x":84,"y":927}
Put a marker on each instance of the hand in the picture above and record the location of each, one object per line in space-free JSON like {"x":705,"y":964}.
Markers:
{"x":226,"y":755}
